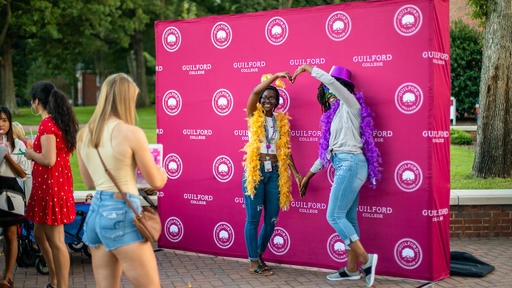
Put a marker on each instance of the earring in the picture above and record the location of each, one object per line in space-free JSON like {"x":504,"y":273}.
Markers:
{"x":33,"y":111}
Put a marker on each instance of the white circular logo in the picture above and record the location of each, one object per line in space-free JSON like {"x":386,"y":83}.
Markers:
{"x":338,"y":26}
{"x":284,"y":101}
{"x":408,"y":20}
{"x":330,"y":173}
{"x":171,"y":39}
{"x":173,"y":229}
{"x":336,"y":248}
{"x":173,"y":166}
{"x":408,"y":176}
{"x":171,"y":102}
{"x":408,"y":98}
{"x":408,"y":253}
{"x":222,"y":102}
{"x":224,"y":235}
{"x":221,"y":35}
{"x":276,"y":30}
{"x":280,"y":241}
{"x":223,"y":168}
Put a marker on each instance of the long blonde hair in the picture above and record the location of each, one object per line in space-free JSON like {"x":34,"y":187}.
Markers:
{"x":117,"y":98}
{"x":17,"y":131}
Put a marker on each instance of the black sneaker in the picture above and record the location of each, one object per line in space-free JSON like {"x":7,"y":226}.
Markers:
{"x":343,"y":274}
{"x":369,"y":269}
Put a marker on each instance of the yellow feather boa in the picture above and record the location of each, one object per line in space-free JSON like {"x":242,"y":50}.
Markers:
{"x":252,"y":156}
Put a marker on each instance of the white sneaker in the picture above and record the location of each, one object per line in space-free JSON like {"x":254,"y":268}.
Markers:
{"x":369,"y":269}
{"x":343,"y":274}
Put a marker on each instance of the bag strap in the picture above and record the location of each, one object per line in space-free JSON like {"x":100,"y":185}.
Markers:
{"x":117,"y":186}
{"x":146,"y":197}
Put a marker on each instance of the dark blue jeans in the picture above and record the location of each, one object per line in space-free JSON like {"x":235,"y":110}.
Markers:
{"x":265,"y":199}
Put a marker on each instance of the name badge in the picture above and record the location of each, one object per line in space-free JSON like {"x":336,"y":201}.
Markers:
{"x":268,"y":166}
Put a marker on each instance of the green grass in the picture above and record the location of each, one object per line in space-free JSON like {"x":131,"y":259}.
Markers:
{"x":461,"y":157}
{"x":460,"y":172}
{"x":146,"y":118}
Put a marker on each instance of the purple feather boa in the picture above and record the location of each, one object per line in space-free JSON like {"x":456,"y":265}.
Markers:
{"x":366,"y":129}
{"x":325,"y":123}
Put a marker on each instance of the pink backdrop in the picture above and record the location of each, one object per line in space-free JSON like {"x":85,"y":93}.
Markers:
{"x":398,"y":52}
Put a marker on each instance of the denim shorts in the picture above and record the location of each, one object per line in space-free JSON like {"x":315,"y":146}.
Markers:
{"x":110,"y":221}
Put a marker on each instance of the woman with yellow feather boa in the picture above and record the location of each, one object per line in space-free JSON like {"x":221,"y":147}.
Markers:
{"x":266,"y":182}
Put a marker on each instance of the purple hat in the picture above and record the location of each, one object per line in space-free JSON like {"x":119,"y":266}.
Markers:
{"x":341,"y":72}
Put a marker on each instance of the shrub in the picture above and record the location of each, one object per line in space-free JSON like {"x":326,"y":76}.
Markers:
{"x":466,"y":63}
{"x":459,"y":137}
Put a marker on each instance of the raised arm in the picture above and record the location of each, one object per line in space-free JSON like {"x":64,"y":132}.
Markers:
{"x":341,"y":92}
{"x":253,"y":99}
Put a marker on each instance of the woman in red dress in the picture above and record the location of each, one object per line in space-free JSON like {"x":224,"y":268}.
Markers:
{"x":51,"y":203}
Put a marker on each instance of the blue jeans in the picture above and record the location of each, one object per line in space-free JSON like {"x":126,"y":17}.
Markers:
{"x":266,"y":198}
{"x":350,"y":174}
{"x":110,"y":221}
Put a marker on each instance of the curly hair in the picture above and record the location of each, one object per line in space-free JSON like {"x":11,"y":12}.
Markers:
{"x":320,"y":96}
{"x":57,"y":105}
{"x":271,"y":88}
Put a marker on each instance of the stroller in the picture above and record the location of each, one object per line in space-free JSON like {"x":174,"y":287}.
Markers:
{"x":29,"y":254}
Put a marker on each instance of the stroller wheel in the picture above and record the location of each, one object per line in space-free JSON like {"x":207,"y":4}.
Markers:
{"x":76,"y":246}
{"x":41,"y":265}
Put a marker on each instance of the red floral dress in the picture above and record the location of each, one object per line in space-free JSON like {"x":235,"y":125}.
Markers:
{"x":51,"y":200}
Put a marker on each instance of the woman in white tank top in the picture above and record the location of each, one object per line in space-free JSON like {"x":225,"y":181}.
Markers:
{"x":116,"y":245}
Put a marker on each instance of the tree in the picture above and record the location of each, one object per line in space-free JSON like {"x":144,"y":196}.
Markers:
{"x":50,"y":37}
{"x":245,"y":6}
{"x":131,"y":21}
{"x":493,"y":154}
{"x":466,"y":65}
{"x":7,"y":97}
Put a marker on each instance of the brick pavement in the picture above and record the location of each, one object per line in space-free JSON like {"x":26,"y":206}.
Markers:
{"x":178,"y":269}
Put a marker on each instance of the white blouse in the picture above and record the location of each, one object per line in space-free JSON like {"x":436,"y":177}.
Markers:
{"x":24,"y":163}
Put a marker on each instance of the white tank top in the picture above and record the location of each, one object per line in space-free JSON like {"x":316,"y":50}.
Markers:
{"x":273,"y":134}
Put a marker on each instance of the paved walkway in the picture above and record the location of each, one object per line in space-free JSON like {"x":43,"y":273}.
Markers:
{"x":182,"y":269}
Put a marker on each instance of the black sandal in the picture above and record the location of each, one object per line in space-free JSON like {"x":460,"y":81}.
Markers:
{"x":263,"y":264}
{"x":260,"y":270}
{"x":49,"y":285}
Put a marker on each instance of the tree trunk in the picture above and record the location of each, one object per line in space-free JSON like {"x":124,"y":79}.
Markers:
{"x":493,"y":155}
{"x":7,"y":97}
{"x":140,"y":70}
{"x":99,"y":63}
{"x":284,"y":4}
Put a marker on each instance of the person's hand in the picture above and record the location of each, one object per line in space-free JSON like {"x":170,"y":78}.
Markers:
{"x":301,"y":69}
{"x":304,"y":186}
{"x":284,"y":75}
{"x":29,"y":154}
{"x":298,"y":179}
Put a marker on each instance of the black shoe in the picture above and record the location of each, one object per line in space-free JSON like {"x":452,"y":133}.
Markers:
{"x":343,"y":274}
{"x":369,"y":269}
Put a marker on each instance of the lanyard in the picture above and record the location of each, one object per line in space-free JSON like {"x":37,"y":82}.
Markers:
{"x":271,"y":139}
